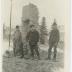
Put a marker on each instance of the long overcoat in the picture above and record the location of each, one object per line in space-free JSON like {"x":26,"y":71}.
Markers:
{"x":17,"y":41}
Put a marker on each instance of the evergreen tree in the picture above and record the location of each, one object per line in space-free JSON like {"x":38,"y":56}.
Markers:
{"x":43,"y":31}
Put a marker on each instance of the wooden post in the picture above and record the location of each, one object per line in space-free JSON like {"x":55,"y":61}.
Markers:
{"x":10,"y":24}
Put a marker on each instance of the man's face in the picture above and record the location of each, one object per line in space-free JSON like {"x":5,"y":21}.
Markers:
{"x":17,"y":28}
{"x":32,"y":28}
{"x":54,"y":27}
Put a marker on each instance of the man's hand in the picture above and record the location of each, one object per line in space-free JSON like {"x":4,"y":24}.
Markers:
{"x":56,"y":44}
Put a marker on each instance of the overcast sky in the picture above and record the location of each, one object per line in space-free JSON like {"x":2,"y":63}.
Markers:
{"x":49,"y":8}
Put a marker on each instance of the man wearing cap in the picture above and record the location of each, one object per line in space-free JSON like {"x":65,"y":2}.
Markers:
{"x":53,"y":40}
{"x":17,"y":42}
{"x":33,"y":39}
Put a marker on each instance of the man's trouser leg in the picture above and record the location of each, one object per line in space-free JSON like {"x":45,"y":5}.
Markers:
{"x":32,"y":50}
{"x":49,"y":52}
{"x":55,"y":52}
{"x":21,"y":50}
{"x":14,"y":47}
{"x":14,"y":51}
{"x":37,"y":52}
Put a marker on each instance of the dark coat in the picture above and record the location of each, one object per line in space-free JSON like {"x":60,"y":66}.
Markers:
{"x":17,"y":41}
{"x":54,"y":37}
{"x":32,"y":37}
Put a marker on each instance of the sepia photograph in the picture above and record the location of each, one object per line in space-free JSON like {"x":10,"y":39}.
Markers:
{"x":34,"y":35}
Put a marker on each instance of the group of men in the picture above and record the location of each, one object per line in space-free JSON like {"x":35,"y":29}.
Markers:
{"x":32,"y":38}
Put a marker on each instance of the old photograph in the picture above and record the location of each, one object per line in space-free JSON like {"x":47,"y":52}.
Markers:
{"x":33,"y":35}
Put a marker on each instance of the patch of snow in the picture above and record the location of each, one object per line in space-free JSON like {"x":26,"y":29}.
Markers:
{"x":45,"y":48}
{"x":6,"y":47}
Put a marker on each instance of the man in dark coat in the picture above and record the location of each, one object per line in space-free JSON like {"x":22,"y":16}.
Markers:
{"x":33,"y":39}
{"x":17,"y":42}
{"x":53,"y":40}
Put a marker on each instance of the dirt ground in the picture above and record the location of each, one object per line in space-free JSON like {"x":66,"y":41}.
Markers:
{"x":15,"y":64}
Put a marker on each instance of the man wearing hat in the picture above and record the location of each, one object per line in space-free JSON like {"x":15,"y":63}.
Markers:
{"x":17,"y":42}
{"x":53,"y":40}
{"x":33,"y":39}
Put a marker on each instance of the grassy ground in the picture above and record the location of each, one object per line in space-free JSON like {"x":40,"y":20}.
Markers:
{"x":15,"y":64}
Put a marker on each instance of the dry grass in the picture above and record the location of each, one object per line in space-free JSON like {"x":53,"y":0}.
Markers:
{"x":15,"y":64}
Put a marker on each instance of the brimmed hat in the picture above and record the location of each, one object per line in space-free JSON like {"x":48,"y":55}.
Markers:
{"x":32,"y":26}
{"x":27,"y":21}
{"x":17,"y":26}
{"x":54,"y":24}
